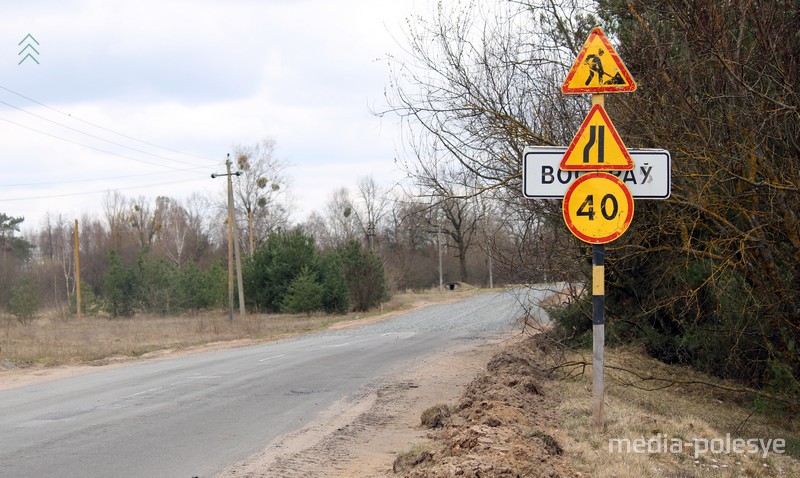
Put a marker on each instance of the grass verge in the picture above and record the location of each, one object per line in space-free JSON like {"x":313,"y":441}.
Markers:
{"x":678,"y":431}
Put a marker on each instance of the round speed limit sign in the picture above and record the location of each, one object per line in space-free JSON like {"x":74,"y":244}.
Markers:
{"x":598,"y":207}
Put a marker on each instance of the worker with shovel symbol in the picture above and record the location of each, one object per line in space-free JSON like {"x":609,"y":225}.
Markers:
{"x":596,"y":66}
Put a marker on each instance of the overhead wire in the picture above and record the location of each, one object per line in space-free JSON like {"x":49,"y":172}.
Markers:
{"x":89,"y":193}
{"x":94,"y":136}
{"x":194,"y":168}
{"x":132,"y":138}
{"x":85,"y":180}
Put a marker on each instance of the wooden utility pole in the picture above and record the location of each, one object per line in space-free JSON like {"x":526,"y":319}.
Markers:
{"x":439,"y":245}
{"x":77,"y":271}
{"x":233,"y":244}
{"x":250,"y":229}
{"x":233,"y":227}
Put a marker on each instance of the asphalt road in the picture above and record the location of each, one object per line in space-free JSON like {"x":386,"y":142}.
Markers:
{"x":196,"y":415}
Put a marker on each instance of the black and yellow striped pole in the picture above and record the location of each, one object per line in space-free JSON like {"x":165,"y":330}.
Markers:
{"x":598,"y":320}
{"x":598,"y":332}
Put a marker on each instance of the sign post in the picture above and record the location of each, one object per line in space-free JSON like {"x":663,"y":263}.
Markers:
{"x":598,"y":294}
{"x":597,"y":177}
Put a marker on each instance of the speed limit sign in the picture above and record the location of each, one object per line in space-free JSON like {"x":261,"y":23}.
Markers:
{"x":598,"y":207}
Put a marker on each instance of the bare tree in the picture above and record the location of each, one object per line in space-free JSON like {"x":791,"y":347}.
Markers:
{"x":144,"y":221}
{"x":370,"y":207}
{"x":340,"y":217}
{"x":481,"y":84}
{"x":411,"y":249}
{"x":115,"y":209}
{"x":459,"y":221}
{"x":260,"y":189}
{"x":317,"y":226}
{"x":172,"y":235}
{"x":55,"y":245}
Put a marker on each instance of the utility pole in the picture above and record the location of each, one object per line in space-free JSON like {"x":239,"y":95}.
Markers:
{"x":439,"y":244}
{"x":233,"y":244}
{"x":250,"y":229}
{"x":77,"y":271}
{"x":371,"y":234}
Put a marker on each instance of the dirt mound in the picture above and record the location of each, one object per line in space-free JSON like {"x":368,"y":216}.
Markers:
{"x":501,"y":427}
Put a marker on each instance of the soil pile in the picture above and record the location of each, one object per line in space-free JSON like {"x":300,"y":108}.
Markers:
{"x":503,"y":425}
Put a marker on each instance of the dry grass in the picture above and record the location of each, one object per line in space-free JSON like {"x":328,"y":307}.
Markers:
{"x":411,"y":457}
{"x":435,"y":416}
{"x":680,"y":413}
{"x":49,"y":340}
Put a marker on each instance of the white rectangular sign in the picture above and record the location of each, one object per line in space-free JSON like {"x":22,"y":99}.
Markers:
{"x":650,"y":178}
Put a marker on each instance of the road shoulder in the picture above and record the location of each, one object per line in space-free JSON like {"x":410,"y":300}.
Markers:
{"x":363,"y":437}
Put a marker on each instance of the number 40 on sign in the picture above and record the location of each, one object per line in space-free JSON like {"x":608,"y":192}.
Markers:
{"x":598,"y":208}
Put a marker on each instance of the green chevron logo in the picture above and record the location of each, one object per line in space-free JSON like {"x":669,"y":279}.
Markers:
{"x":29,"y":48}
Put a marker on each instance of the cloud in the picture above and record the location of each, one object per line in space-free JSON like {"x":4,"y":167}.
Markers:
{"x":195,"y":76}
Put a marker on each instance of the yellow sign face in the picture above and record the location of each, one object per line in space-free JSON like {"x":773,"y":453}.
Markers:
{"x":598,"y":208}
{"x":598,"y":69}
{"x":597,"y":146}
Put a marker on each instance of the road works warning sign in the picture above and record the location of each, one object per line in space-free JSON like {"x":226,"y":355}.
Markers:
{"x":598,"y":69}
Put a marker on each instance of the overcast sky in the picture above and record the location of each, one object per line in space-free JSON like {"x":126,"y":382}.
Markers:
{"x":196,"y":77}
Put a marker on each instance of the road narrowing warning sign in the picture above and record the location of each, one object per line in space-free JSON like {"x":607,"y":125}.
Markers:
{"x":598,"y":208}
{"x":598,"y":69}
{"x":597,"y":146}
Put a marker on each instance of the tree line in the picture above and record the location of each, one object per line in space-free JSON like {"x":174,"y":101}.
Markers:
{"x":168,"y":256}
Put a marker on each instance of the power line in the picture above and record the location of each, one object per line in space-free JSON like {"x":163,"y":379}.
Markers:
{"x":73,"y":181}
{"x":98,"y":149}
{"x":107,"y":129}
{"x":95,"y":136}
{"x":193,"y":169}
{"x":89,"y":193}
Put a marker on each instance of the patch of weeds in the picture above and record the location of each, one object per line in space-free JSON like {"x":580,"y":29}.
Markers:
{"x":793,"y":447}
{"x":435,"y":416}
{"x":412,"y":457}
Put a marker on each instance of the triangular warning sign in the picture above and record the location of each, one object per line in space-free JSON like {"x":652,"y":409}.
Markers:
{"x":598,"y":69}
{"x":597,"y":146}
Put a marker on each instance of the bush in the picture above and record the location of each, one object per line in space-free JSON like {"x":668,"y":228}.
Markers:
{"x":195,"y":289}
{"x":363,"y":272}
{"x":272,"y":268}
{"x":24,"y":300}
{"x":155,"y":284}
{"x":435,"y":416}
{"x":574,"y":320}
{"x":90,"y":303}
{"x":119,"y":288}
{"x":304,"y":294}
{"x":335,"y":293}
